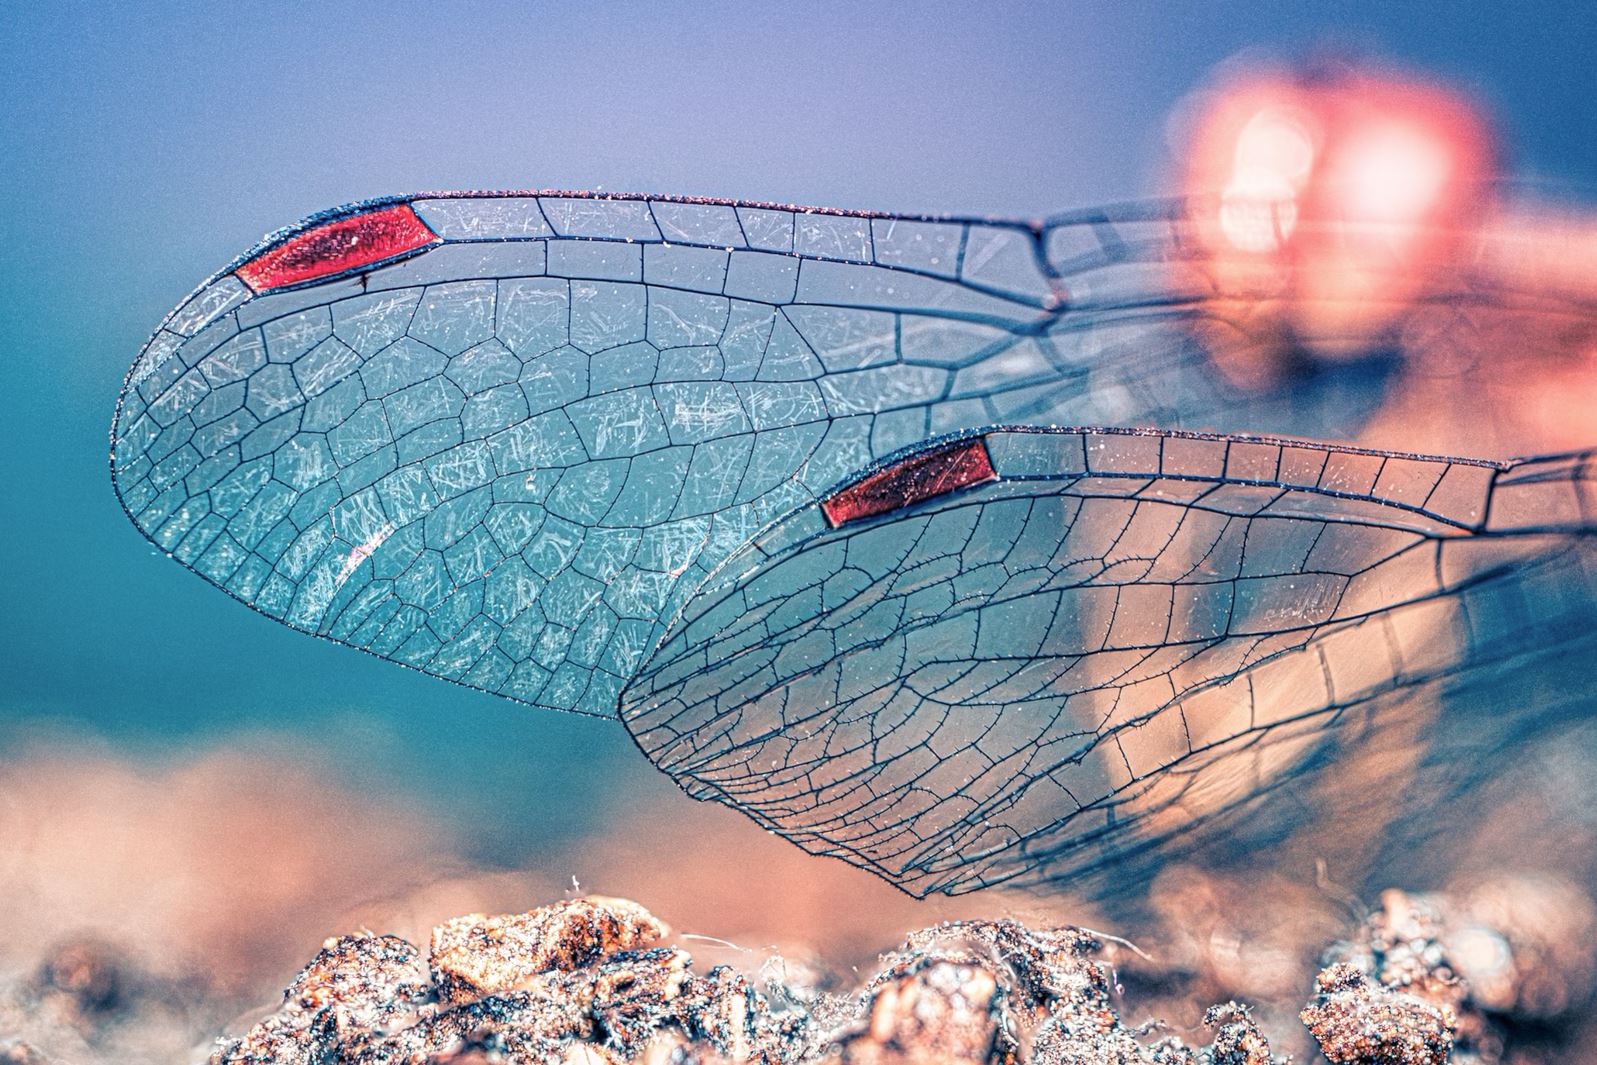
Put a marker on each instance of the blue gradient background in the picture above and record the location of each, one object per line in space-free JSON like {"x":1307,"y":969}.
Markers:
{"x":145,"y":146}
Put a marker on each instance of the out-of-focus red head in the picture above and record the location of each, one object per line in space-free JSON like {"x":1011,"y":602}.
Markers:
{"x":1329,"y":202}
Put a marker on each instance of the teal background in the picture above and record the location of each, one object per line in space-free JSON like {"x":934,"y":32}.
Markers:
{"x":142,"y":146}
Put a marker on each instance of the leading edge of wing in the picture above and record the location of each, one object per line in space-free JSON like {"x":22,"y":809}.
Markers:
{"x":1441,"y":492}
{"x":1021,"y":272}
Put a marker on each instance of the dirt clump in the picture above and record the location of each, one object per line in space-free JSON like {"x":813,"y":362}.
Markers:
{"x":591,"y":981}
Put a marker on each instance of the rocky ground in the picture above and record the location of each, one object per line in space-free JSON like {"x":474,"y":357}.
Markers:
{"x":1502,"y":976}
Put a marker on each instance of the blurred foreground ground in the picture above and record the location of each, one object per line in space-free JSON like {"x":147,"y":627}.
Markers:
{"x":150,"y":907}
{"x":601,"y":981}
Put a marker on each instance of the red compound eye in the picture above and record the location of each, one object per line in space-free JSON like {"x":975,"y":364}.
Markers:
{"x":338,"y":246}
{"x":923,"y":476}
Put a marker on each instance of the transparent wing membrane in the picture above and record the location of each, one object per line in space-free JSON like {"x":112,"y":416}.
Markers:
{"x":505,"y":439}
{"x":1114,"y":640}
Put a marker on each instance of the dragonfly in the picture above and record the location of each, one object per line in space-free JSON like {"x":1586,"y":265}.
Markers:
{"x":947,"y":546}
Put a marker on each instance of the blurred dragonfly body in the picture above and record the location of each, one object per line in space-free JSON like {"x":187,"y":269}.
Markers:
{"x":783,"y":490}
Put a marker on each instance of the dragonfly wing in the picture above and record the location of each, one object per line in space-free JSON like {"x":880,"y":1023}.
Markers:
{"x":498,"y":438}
{"x":1028,"y":654}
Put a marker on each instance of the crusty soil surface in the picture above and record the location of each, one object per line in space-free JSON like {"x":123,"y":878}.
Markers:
{"x":1503,"y":975}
